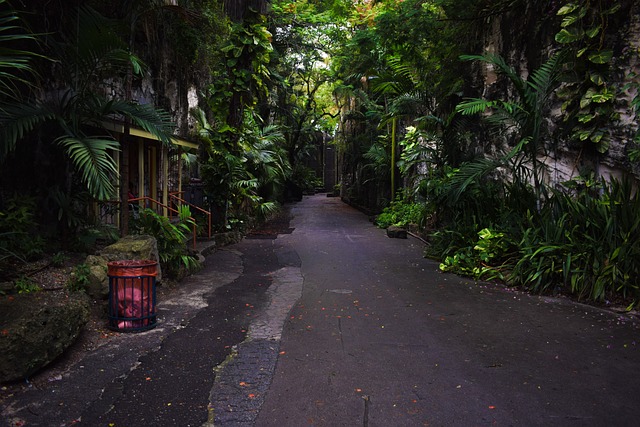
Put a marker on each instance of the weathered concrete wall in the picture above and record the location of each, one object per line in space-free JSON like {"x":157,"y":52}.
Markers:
{"x":524,"y":38}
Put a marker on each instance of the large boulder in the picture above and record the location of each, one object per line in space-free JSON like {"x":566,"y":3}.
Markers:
{"x":137,"y":247}
{"x":36,"y":328}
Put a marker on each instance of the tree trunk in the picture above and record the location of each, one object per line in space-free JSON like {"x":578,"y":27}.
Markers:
{"x":236,"y":9}
{"x":124,"y":143}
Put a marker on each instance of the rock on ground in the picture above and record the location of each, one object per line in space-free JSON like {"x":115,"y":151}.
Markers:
{"x":36,"y":328}
{"x":135,"y":247}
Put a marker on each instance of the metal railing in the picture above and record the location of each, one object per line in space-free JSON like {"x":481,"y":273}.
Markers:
{"x":157,"y":204}
{"x":109,"y":210}
{"x":174,"y":197}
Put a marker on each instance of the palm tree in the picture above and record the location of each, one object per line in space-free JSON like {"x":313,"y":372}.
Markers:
{"x":267,"y":160}
{"x":523,"y":118}
{"x":250,"y":180}
{"x":85,"y":58}
{"x":16,"y":68}
{"x":406,"y":91}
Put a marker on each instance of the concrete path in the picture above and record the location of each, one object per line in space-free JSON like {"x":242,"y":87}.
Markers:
{"x":334,"y":324}
{"x":381,"y":338}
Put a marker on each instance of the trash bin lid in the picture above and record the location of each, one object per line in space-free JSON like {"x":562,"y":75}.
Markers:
{"x":132,"y":267}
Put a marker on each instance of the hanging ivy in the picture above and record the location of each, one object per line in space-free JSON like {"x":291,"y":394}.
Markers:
{"x":589,"y":96}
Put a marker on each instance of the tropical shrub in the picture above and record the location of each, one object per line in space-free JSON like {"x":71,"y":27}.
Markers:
{"x":85,"y":61}
{"x":583,"y":242}
{"x":305,"y":179}
{"x":401,"y":212}
{"x":489,"y":258}
{"x":19,"y":240}
{"x":585,"y":245}
{"x":521,"y":121}
{"x":462,"y":201}
{"x":244,"y":182}
{"x":171,"y":238}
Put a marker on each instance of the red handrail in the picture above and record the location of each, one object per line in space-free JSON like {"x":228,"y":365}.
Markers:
{"x":207,"y":213}
{"x":169,"y":208}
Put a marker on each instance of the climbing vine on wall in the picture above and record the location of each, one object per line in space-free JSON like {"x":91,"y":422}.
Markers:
{"x":246,"y":57}
{"x":634,"y":85}
{"x":589,"y":97}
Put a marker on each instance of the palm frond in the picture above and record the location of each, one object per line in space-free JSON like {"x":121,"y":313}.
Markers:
{"x":16,"y":120}
{"x":508,"y":114}
{"x":245,"y":184}
{"x":474,"y":106}
{"x":266,"y":209}
{"x":90,"y":156}
{"x":470,"y":173}
{"x":405,"y":104}
{"x":271,"y":134}
{"x":156,"y":122}
{"x":400,"y":78}
{"x":14,"y":63}
{"x":260,"y":155}
{"x":385,"y":87}
{"x":377,"y":154}
{"x":543,"y":80}
{"x":501,"y":67}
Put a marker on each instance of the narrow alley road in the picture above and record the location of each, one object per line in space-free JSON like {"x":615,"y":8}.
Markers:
{"x":323,"y":320}
{"x":381,"y":338}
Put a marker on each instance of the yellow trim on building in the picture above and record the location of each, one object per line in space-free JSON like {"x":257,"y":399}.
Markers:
{"x":118,"y":127}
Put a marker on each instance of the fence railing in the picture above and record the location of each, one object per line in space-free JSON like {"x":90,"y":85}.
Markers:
{"x":180,"y":200}
{"x":109,"y":211}
{"x":152,"y":202}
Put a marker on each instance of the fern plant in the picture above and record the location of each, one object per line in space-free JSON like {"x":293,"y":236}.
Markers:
{"x":171,"y":239}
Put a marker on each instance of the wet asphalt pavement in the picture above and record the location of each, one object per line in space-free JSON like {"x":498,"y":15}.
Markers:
{"x":334,"y":324}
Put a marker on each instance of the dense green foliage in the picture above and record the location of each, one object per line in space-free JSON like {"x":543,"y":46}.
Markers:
{"x":431,"y":129}
{"x":248,"y":181}
{"x":477,"y":167}
{"x":400,"y":213}
{"x":19,"y":240}
{"x":585,"y":243}
{"x":171,"y":238}
{"x":83,"y":57}
{"x":589,"y":93}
